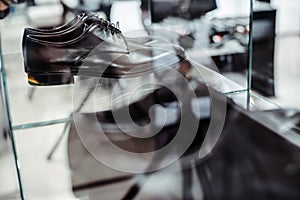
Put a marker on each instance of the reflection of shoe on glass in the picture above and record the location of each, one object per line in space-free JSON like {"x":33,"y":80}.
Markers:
{"x":98,"y":49}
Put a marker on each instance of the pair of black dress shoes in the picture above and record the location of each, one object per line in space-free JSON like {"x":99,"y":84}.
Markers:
{"x":92,"y":46}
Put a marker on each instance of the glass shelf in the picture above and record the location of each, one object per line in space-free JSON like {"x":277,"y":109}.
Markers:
{"x":39,"y":115}
{"x":257,"y":101}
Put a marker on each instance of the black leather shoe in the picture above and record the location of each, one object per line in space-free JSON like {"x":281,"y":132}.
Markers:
{"x":63,"y":33}
{"x":96,"y":50}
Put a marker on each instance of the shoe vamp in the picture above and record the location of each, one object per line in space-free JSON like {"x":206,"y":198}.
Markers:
{"x":156,"y":49}
{"x":147,"y":40}
{"x":140,"y":58}
{"x":117,"y":44}
{"x":158,"y":56}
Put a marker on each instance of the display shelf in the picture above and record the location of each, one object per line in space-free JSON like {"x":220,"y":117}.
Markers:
{"x":42,"y":115}
{"x":257,"y":101}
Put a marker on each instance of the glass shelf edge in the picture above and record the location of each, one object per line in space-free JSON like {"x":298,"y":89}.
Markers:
{"x":41,"y":124}
{"x":236,"y":92}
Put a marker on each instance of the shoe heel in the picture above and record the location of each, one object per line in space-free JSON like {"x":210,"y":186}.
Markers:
{"x":37,"y":79}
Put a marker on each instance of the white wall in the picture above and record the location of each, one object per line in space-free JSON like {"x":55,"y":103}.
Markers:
{"x":288,"y":16}
{"x":233,"y":8}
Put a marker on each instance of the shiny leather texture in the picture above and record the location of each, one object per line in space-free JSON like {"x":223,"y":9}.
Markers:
{"x":68,"y":28}
{"x":96,"y":49}
{"x":71,"y":24}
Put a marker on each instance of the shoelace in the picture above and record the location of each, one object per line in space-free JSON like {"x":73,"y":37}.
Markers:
{"x":109,"y":26}
{"x":114,"y":29}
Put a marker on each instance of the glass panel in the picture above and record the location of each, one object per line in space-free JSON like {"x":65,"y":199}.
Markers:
{"x":43,"y":178}
{"x":8,"y":177}
{"x":257,"y":101}
{"x":58,"y":163}
{"x":215,"y":36}
{"x":65,"y":158}
{"x":9,"y":183}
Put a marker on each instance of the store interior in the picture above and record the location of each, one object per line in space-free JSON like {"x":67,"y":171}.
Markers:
{"x":52,"y":145}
